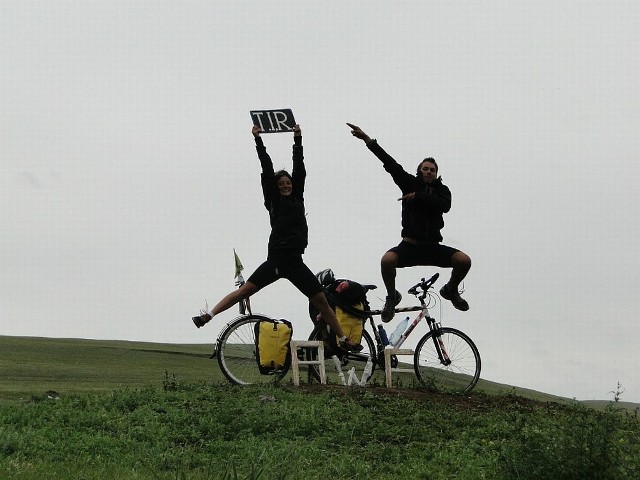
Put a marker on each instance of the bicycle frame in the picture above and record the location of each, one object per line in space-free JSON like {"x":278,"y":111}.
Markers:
{"x":420,"y":290}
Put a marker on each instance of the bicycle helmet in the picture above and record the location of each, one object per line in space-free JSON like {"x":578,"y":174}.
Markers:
{"x":326,"y":277}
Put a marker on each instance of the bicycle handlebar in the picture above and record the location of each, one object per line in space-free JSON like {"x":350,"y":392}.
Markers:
{"x":424,"y":285}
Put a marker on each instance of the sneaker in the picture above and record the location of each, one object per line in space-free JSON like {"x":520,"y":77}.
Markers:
{"x":388,"y":311}
{"x":348,"y":346}
{"x":455,"y":298}
{"x":202,"y":319}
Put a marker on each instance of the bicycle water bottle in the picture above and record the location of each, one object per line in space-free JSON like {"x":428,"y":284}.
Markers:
{"x":383,"y":335}
{"x":397,"y":333}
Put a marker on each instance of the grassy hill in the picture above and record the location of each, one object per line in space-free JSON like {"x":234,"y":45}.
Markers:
{"x":135,"y":410}
{"x":34,"y":365}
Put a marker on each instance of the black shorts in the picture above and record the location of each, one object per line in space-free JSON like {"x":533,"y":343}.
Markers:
{"x":290,"y":267}
{"x":433,"y":254}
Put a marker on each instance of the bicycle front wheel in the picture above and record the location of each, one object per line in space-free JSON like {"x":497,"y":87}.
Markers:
{"x":458,"y":372}
{"x":236,"y":352}
{"x":346,"y":360}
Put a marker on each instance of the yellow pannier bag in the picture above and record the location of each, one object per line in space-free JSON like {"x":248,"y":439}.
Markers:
{"x":272,"y":345}
{"x":352,"y":325}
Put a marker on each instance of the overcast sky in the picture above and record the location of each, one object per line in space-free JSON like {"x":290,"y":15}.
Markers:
{"x":129,"y":173}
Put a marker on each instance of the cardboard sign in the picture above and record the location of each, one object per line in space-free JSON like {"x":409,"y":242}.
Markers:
{"x":274,"y":121}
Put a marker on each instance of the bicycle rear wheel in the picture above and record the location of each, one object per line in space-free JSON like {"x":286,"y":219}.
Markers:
{"x":458,"y":376}
{"x":236,"y":352}
{"x":347,"y":360}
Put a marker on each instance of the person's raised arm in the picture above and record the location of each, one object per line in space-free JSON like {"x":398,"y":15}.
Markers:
{"x":400,"y":177}
{"x":299,"y":172}
{"x":358,"y":133}
{"x":263,"y":156}
{"x":266,"y":177}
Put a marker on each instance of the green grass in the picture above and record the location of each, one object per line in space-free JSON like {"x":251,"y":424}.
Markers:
{"x":132,"y":410}
{"x":30,"y":365}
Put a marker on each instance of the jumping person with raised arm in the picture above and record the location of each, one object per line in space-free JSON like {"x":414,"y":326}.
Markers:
{"x":284,"y":200}
{"x":424,"y":200}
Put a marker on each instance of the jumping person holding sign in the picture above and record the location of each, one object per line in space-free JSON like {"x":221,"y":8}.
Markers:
{"x":424,"y":200}
{"x":284,"y":200}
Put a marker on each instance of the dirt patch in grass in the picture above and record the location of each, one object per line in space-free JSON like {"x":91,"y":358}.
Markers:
{"x":474,"y":402}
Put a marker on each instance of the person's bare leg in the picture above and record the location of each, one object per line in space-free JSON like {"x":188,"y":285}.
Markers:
{"x":228,"y":301}
{"x":327,"y":313}
{"x":461,"y":264}
{"x":388,"y":265}
{"x":232,"y":298}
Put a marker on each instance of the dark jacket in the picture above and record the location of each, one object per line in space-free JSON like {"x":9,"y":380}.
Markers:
{"x":422,"y":216}
{"x":289,"y":231}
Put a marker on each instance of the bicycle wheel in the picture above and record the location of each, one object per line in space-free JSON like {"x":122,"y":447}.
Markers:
{"x":458,"y":376}
{"x":347,"y":360}
{"x":236,"y":352}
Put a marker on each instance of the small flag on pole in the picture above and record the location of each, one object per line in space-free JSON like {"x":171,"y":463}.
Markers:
{"x":244,"y":304}
{"x":239,"y":266}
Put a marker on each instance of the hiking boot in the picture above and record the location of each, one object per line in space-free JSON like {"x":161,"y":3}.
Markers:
{"x":202,"y":319}
{"x":454,"y":297}
{"x":348,"y":346}
{"x":388,"y":311}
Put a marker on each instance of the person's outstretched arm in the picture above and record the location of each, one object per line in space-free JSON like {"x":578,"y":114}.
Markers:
{"x":358,"y":133}
{"x":266,"y":177}
{"x":400,"y":177}
{"x":299,"y":172}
